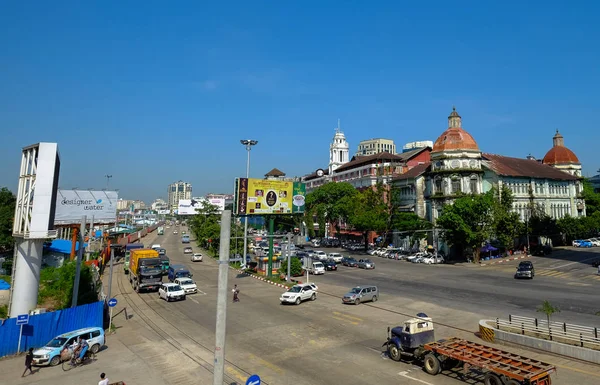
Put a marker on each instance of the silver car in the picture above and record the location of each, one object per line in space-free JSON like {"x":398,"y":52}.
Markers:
{"x":366,"y":264}
{"x":360,"y":294}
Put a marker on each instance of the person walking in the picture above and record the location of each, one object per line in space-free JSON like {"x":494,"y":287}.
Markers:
{"x":28,"y":362}
{"x":103,"y":379}
{"x":235,"y":292}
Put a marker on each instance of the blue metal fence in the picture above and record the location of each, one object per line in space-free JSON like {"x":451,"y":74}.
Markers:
{"x":43,"y":327}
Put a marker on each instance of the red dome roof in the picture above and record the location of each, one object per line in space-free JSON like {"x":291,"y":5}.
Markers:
{"x":560,"y":155}
{"x":455,"y":138}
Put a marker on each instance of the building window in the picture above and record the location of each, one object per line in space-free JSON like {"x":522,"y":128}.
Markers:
{"x":456,"y":186}
{"x":473,"y":185}
{"x":438,"y":186}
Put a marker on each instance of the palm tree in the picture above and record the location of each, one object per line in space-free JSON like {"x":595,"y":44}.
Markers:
{"x":547,"y":308}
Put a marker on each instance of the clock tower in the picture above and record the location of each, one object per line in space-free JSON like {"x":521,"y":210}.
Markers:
{"x":339,"y":150}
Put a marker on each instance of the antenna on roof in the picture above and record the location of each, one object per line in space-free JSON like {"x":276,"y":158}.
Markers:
{"x":338,"y":129}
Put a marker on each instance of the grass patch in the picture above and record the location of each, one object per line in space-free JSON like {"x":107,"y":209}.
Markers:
{"x":4,"y":311}
{"x":6,"y":278}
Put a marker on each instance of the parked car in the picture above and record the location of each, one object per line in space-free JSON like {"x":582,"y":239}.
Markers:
{"x":525,"y":270}
{"x":175,"y":232}
{"x":585,"y":243}
{"x":321,"y":255}
{"x":188,"y":250}
{"x":187,"y":284}
{"x":196,"y":257}
{"x":433,"y":259}
{"x":298,"y":293}
{"x":330,"y":265}
{"x":366,"y":264}
{"x":360,"y":294}
{"x":350,"y":262}
{"x":49,"y":354}
{"x":171,"y":292}
{"x":337,"y":257}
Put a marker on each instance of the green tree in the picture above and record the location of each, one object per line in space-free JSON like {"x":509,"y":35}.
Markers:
{"x":56,"y":286}
{"x":410,"y":224}
{"x":206,"y":227}
{"x":507,"y":224}
{"x":295,"y":268}
{"x":7,"y":212}
{"x":367,"y":211}
{"x":592,"y":198}
{"x":468,"y":222}
{"x":327,"y":203}
{"x":547,"y":308}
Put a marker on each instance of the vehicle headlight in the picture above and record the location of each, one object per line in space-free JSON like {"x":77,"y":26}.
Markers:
{"x":46,"y":356}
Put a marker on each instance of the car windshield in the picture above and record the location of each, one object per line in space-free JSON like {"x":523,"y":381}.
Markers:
{"x":175,"y":288}
{"x":186,"y":282}
{"x":367,"y":261}
{"x":355,"y":290}
{"x":295,"y":289}
{"x":57,"y":342}
{"x":149,"y":268}
{"x":351,"y":259}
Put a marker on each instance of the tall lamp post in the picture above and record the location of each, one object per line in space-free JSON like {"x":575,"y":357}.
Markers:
{"x":248,"y":143}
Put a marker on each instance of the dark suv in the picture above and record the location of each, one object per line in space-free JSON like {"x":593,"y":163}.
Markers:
{"x":525,"y":270}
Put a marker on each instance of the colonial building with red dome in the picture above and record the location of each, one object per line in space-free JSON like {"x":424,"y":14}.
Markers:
{"x":459,"y":166}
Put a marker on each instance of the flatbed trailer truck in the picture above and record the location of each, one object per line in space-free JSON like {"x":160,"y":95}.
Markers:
{"x":415,"y":341}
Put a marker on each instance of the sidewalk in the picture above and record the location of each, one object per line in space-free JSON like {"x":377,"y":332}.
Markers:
{"x":132,"y":354}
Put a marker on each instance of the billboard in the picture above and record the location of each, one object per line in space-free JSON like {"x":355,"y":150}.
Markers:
{"x":264,"y":197}
{"x":189,"y":206}
{"x":71,"y":205}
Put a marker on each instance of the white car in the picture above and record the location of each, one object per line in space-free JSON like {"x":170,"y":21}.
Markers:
{"x":175,"y":232}
{"x":187,"y":284}
{"x":299,"y":293}
{"x":155,"y":246}
{"x":432,"y":259}
{"x":321,"y":255}
{"x":196,"y":257}
{"x":595,"y":241}
{"x":171,"y":292}
{"x":337,"y":257}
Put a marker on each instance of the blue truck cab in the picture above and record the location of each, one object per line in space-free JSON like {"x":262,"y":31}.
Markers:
{"x":408,"y":339}
{"x":178,"y":271}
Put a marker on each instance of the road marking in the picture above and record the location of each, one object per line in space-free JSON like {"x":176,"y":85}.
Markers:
{"x":578,"y":284}
{"x":236,"y":373}
{"x":193,"y":300}
{"x":337,"y":313}
{"x":566,"y":367}
{"x":405,"y":375}
{"x":344,"y":320}
{"x":265,"y":363}
{"x":572,"y":263}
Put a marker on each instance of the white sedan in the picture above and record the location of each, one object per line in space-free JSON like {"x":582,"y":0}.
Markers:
{"x":197,"y":257}
{"x":171,"y":292}
{"x":187,"y":284}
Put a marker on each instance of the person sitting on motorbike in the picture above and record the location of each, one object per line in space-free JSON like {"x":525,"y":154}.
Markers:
{"x":83,"y":348}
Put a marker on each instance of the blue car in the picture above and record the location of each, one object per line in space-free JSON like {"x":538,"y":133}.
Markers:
{"x":585,"y":244}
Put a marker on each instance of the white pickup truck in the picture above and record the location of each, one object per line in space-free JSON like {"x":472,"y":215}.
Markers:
{"x":315,"y":267}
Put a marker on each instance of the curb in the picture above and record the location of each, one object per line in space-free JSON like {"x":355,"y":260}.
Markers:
{"x":504,"y":260}
{"x":259,"y":278}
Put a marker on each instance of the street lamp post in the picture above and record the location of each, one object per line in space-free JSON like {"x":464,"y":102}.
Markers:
{"x":248,"y":143}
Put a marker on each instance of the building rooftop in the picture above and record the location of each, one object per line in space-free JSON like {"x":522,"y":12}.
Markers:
{"x":518,"y":167}
{"x":357,"y":161}
{"x":559,"y":154}
{"x":414,"y":172}
{"x":275,"y":172}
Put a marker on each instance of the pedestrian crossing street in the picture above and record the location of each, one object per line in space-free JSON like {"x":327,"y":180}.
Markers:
{"x":570,"y":275}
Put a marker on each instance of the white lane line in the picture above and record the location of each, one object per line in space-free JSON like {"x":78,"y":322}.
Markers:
{"x":572,"y":263}
{"x":196,"y":302}
{"x":405,"y":375}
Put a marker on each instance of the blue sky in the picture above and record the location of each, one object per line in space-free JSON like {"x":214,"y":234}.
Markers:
{"x":152,"y":93}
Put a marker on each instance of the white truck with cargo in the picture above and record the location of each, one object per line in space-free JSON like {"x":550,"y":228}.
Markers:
{"x":313,"y":267}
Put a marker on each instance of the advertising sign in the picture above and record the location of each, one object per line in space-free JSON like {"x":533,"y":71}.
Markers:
{"x":188,"y":207}
{"x":71,"y":205}
{"x":263,"y":197}
{"x":218,"y":202}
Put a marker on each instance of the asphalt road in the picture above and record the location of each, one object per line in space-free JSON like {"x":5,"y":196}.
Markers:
{"x":566,"y":279}
{"x":326,"y":342}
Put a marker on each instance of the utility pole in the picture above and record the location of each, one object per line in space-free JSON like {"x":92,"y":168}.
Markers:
{"x":107,"y":180}
{"x":220,"y":330}
{"x":112,"y":257}
{"x":79,"y":257}
{"x":289,"y":256}
{"x":248,"y":143}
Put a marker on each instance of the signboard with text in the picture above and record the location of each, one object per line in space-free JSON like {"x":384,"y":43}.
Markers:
{"x":264,"y":197}
{"x":71,"y":205}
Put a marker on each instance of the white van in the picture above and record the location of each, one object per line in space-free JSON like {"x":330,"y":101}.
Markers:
{"x":337,"y":257}
{"x":50,"y":353}
{"x":317,"y":268}
{"x":321,"y":255}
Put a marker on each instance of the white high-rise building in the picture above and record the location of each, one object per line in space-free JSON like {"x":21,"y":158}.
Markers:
{"x":339,"y":150}
{"x":177,"y":191}
{"x":375,"y":146}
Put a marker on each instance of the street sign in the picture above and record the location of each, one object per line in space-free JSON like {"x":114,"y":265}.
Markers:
{"x":253,"y":380}
{"x":23,"y":319}
{"x":112,"y":302}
